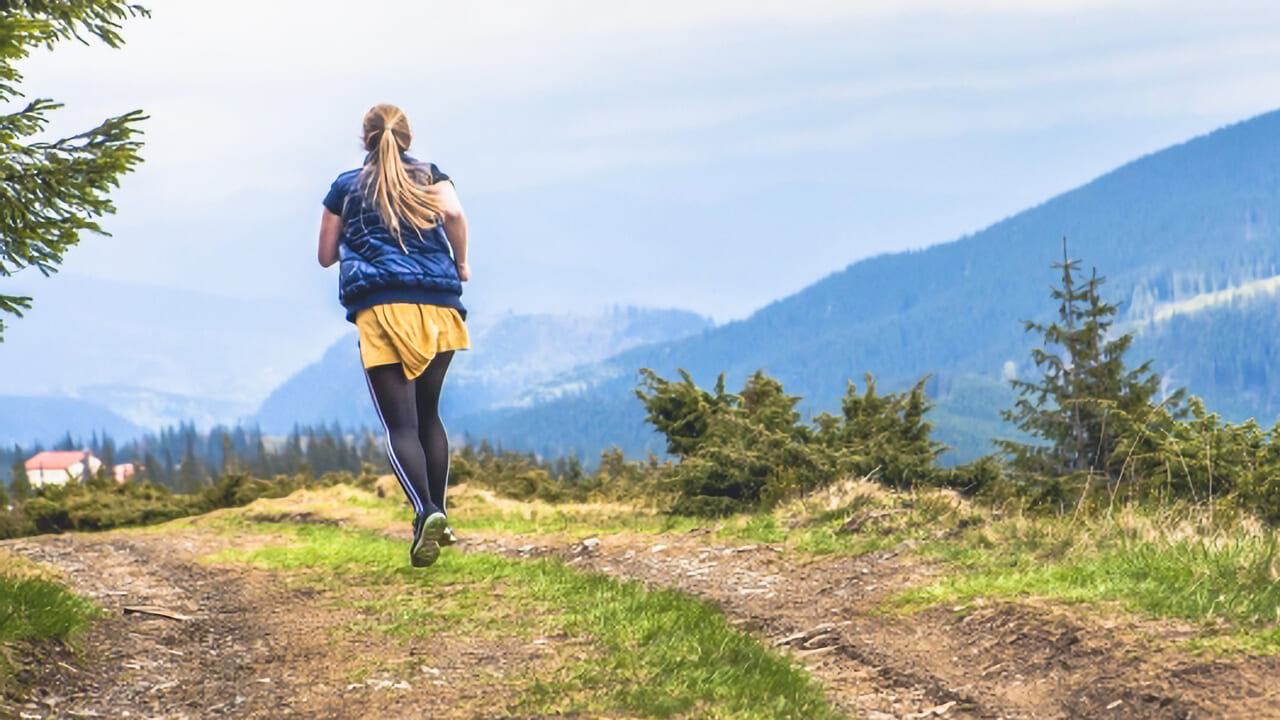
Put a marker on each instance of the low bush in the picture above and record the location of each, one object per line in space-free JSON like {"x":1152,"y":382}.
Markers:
{"x":102,"y":505}
{"x":745,"y":451}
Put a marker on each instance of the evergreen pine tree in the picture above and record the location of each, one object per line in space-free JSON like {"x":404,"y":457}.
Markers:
{"x":764,"y":403}
{"x":21,"y":482}
{"x":54,"y":191}
{"x":108,"y":452}
{"x":165,"y":471}
{"x":150,"y":469}
{"x":293,"y":459}
{"x":681,"y":410}
{"x":886,"y":436}
{"x":190,"y":473}
{"x":260,"y":464}
{"x":1085,"y":399}
{"x":228,"y":453}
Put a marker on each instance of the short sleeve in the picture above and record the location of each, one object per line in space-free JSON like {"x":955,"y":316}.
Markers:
{"x":438,"y":175}
{"x":337,"y":196}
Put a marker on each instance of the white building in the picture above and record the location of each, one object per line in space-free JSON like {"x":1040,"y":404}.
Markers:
{"x":124,"y":471}
{"x":56,"y":467}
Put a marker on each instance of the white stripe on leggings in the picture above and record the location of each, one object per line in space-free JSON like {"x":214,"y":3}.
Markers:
{"x":448,"y":466}
{"x":395,"y":463}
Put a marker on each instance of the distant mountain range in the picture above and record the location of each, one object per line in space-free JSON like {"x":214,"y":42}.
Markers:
{"x":1188,"y":237}
{"x":157,"y":345}
{"x":511,"y":356}
{"x":29,"y":420}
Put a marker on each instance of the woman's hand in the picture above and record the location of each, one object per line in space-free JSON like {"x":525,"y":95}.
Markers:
{"x":464,"y":271}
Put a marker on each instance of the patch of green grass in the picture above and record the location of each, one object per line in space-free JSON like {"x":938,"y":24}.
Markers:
{"x":818,"y":535}
{"x":756,"y":528}
{"x":36,"y":610}
{"x":369,"y":501}
{"x":576,"y":523}
{"x":1226,"y":580}
{"x":660,"y":653}
{"x":827,"y":541}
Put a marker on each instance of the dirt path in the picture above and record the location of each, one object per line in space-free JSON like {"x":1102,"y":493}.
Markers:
{"x":254,"y":646}
{"x":998,"y":661}
{"x":251,"y":646}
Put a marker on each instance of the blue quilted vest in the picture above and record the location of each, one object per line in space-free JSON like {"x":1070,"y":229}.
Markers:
{"x":375,"y":269}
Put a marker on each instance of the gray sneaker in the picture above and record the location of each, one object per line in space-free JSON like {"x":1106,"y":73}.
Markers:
{"x":427,"y":532}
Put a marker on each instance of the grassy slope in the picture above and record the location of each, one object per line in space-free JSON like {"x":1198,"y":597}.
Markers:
{"x":659,"y":653}
{"x":1219,"y":571}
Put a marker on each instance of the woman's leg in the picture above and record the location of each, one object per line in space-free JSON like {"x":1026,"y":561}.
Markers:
{"x":393,"y":398}
{"x":431,"y":431}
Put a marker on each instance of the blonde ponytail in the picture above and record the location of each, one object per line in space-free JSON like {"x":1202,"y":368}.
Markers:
{"x":387,"y":184}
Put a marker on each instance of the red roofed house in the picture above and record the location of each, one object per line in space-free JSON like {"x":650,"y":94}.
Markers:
{"x":56,"y":467}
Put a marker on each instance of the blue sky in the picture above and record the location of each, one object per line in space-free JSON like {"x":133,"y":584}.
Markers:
{"x":709,"y":155}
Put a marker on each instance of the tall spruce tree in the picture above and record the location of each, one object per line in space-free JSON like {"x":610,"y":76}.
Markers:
{"x":20,"y":482}
{"x":1086,"y":398}
{"x":55,"y":190}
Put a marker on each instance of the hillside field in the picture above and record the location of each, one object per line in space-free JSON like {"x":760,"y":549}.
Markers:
{"x":854,"y":602}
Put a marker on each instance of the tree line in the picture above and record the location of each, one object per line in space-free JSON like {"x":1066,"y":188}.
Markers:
{"x":186,"y":460}
{"x":1094,"y":432}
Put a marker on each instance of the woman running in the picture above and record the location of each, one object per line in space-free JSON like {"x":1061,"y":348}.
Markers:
{"x":398,"y":229}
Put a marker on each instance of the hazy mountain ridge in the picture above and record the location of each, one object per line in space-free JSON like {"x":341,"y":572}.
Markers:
{"x":85,"y":333}
{"x":1189,"y":239}
{"x":1170,"y":230}
{"x":510,"y":355}
{"x":27,"y":420}
{"x":155,"y":409}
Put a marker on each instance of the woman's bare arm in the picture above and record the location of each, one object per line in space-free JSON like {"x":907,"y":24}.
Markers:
{"x":455,"y":226}
{"x":330,"y":228}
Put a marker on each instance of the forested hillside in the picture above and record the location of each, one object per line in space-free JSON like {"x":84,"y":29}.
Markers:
{"x":1174,"y":226}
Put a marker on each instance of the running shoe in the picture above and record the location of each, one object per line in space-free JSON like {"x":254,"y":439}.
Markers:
{"x":427,"y":531}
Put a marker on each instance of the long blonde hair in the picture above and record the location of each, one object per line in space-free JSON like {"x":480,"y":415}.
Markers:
{"x":399,"y":196}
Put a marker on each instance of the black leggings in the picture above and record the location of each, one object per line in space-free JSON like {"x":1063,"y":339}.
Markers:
{"x":416,"y":441}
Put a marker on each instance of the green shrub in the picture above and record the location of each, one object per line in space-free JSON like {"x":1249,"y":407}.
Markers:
{"x":102,"y":506}
{"x":749,"y":450}
{"x":14,"y":523}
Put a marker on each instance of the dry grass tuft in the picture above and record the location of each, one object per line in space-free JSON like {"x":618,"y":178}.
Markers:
{"x":16,"y":568}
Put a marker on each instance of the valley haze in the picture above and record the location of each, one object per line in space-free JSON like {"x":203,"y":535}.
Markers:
{"x":1188,"y":237}
{"x":709,"y":156}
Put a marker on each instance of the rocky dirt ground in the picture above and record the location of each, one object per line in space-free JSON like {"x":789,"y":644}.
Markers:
{"x":245,"y":644}
{"x":1000,"y":660}
{"x":250,"y":645}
